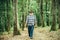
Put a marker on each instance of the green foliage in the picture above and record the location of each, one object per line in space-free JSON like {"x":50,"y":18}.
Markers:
{"x":24,"y":6}
{"x":3,"y":15}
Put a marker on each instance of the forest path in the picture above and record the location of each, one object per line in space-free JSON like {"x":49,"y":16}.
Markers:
{"x":39,"y":34}
{"x":24,"y":35}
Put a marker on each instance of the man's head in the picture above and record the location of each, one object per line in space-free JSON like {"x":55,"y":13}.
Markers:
{"x":31,"y":12}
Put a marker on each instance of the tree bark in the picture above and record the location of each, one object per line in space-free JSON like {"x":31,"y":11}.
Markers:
{"x":23,"y":15}
{"x":8,"y":16}
{"x":38,"y":14}
{"x":54,"y":15}
{"x":58,"y":7}
{"x":42,"y":18}
{"x":16,"y":31}
{"x":47,"y":14}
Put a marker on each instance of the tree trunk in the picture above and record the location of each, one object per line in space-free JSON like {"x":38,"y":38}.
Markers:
{"x":22,"y":21}
{"x":47,"y":14}
{"x":16,"y":31}
{"x":8,"y":16}
{"x":2,"y":15}
{"x":54,"y":15}
{"x":38,"y":14}
{"x":58,"y":6}
{"x":23,"y":15}
{"x":42,"y":18}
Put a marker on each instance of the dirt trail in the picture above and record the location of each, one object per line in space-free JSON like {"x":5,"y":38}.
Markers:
{"x":39,"y":34}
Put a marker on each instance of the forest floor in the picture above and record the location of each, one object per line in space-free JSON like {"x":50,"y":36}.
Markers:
{"x":39,"y":34}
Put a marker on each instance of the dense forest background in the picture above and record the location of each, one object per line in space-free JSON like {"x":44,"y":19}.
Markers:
{"x":13,"y":15}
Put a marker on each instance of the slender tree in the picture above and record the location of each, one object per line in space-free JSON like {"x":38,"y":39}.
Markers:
{"x":38,"y":14}
{"x":58,"y":6}
{"x":41,"y":12}
{"x":8,"y":16}
{"x":53,"y":15}
{"x":23,"y":15}
{"x":47,"y":14}
{"x":2,"y":15}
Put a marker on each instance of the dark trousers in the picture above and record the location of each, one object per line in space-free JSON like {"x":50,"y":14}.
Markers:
{"x":30,"y":30}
